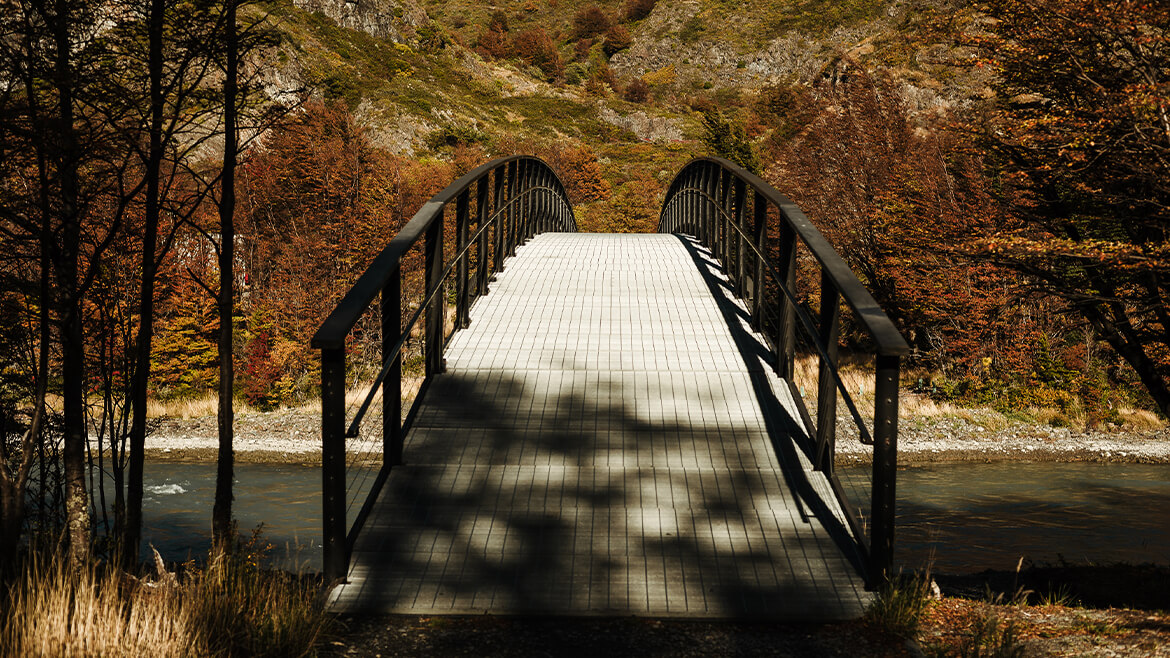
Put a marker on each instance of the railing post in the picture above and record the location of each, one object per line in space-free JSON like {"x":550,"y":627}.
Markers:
{"x":885,"y":467}
{"x":689,"y":223}
{"x":333,"y":531}
{"x":711,"y":189}
{"x":392,"y":385}
{"x":830,"y":321}
{"x":760,"y":233}
{"x":724,"y":252}
{"x":741,"y":224}
{"x":481,"y":216}
{"x":437,"y":310}
{"x":462,"y":218}
{"x":786,"y":328}
{"x":501,"y":219}
{"x":513,"y":211}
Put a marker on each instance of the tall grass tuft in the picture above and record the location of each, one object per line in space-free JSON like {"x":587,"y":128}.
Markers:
{"x":248,"y":610}
{"x":900,"y":603}
{"x":53,"y":611}
{"x":233,"y":608}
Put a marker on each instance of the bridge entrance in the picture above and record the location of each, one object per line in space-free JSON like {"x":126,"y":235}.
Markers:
{"x":609,"y":435}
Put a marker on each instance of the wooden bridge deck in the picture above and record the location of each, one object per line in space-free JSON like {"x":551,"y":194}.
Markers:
{"x":606,"y":441}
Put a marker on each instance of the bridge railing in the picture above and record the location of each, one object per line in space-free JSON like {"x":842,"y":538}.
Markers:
{"x":496,"y":207}
{"x":755,"y":233}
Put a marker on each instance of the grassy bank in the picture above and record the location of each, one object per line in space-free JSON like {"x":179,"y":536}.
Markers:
{"x":233,"y":607}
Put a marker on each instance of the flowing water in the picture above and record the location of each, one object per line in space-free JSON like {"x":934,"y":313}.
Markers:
{"x":970,"y":517}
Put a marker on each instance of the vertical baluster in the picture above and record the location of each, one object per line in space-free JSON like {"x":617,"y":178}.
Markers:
{"x":462,"y":219}
{"x":724,"y":253}
{"x":692,"y":207}
{"x":481,"y":217}
{"x":545,"y":201}
{"x":786,"y":327}
{"x":830,"y":320}
{"x":708,"y":215}
{"x":437,"y":310}
{"x":739,"y":230}
{"x":392,"y":385}
{"x":501,"y":175}
{"x":335,"y":549}
{"x":885,"y":467}
{"x":760,"y":234}
{"x":513,"y":210}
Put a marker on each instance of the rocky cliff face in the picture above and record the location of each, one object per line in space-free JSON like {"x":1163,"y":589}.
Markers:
{"x":385,"y":19}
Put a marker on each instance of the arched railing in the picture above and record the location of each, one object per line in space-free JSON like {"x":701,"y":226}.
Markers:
{"x":755,"y":233}
{"x":497,"y":206}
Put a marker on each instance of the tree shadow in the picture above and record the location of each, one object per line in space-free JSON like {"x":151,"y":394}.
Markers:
{"x":573,"y":492}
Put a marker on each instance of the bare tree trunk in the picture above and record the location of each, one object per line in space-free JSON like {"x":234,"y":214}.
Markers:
{"x":221,"y":515}
{"x":77,"y":521}
{"x":141,"y":374}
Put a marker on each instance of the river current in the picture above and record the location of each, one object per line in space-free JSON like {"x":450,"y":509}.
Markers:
{"x":963,"y":517}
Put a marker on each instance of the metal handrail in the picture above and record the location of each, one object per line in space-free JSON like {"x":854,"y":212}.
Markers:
{"x":805,"y":321}
{"x":388,"y":359}
{"x":709,"y":199}
{"x":528,"y":198}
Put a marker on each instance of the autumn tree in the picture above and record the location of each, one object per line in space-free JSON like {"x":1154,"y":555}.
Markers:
{"x":537,"y":49}
{"x":900,"y":205}
{"x":636,"y":10}
{"x":617,"y":38}
{"x":1080,"y":132}
{"x":590,"y":22}
{"x":637,"y":91}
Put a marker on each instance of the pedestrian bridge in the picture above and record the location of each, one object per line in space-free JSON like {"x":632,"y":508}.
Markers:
{"x":597,"y":424}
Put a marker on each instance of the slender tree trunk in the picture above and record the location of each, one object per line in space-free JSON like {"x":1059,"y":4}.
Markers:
{"x":77,"y":518}
{"x":221,"y":515}
{"x":1119,"y":333}
{"x":142,"y":345}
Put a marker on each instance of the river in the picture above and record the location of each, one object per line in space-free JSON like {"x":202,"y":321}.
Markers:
{"x":966,"y":517}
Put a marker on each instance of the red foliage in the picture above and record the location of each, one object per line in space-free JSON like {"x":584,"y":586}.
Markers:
{"x":319,"y":203}
{"x":637,"y":91}
{"x":590,"y":22}
{"x":493,"y":43}
{"x":617,"y":38}
{"x":636,"y":10}
{"x":536,"y":48}
{"x":899,"y":205}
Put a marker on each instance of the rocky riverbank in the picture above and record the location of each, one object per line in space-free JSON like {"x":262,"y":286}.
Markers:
{"x":293,"y":436}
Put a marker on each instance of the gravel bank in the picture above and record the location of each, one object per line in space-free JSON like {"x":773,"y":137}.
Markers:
{"x":293,"y":436}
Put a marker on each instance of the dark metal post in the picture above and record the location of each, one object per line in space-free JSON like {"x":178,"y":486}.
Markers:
{"x":437,"y":310}
{"x":760,"y":234}
{"x":392,"y":385}
{"x":885,"y":467}
{"x":689,"y":223}
{"x":333,"y":531}
{"x":500,"y":221}
{"x":462,"y":219}
{"x":826,"y":385}
{"x":737,"y":275}
{"x":786,"y":329}
{"x":724,"y":249}
{"x":710,"y":217}
{"x":513,"y":213}
{"x":481,"y":216}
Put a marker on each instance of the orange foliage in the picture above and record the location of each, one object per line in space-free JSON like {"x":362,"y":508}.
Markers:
{"x":536,"y":48}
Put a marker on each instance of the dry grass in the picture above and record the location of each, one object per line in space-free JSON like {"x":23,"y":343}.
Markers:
{"x":53,"y":612}
{"x":234,"y":608}
{"x":858,"y":378}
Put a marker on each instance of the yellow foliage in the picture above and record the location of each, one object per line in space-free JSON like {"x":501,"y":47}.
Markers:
{"x":663,"y":76}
